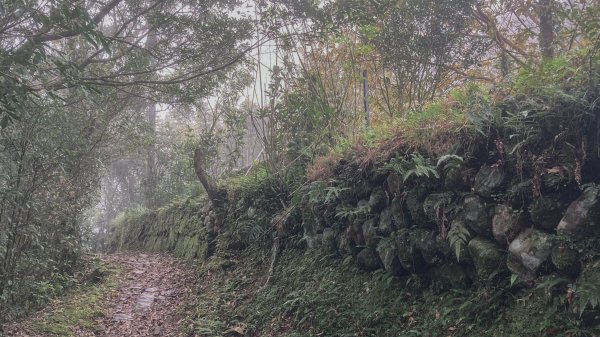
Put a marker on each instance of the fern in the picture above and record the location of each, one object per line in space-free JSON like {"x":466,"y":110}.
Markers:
{"x":588,"y":296}
{"x":458,"y":237}
{"x":450,"y":161}
{"x":320,"y":193}
{"x":349,"y":212}
{"x":417,"y":165}
{"x":552,"y":282}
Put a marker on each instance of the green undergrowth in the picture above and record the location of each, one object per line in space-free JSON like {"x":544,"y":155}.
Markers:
{"x":79,"y":310}
{"x":314,"y":295}
{"x":176,"y":228}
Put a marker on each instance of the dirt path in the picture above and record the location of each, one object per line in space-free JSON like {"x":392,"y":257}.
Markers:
{"x":149,"y":299}
{"x":147,"y":304}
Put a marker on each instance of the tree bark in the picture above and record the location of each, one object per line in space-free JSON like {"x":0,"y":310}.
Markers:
{"x":546,"y":38}
{"x":151,"y":179}
{"x":215,"y":195}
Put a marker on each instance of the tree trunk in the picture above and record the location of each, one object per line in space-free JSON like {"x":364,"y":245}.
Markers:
{"x":151,"y":178}
{"x":546,"y":38}
{"x":214,"y":194}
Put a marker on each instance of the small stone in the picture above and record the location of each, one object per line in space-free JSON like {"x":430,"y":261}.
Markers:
{"x":436,"y":205}
{"x":427,"y":245}
{"x":368,"y":259}
{"x":487,"y":257}
{"x":314,"y":241}
{"x":388,"y":255}
{"x":122,"y":317}
{"x":506,"y":224}
{"x":582,"y":216}
{"x":566,"y":260}
{"x":528,"y":252}
{"x":475,"y":215}
{"x":394,"y":183}
{"x":546,"y":212}
{"x":378,"y":200}
{"x":399,"y":216}
{"x":329,"y":242}
{"x":386,"y":221}
{"x":449,"y":276}
{"x":488,"y":180}
{"x":455,"y":179}
{"x":406,"y":246}
{"x":370,"y":232}
{"x":414,"y":203}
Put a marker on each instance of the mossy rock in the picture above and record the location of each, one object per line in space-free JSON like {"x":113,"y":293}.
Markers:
{"x":408,"y":253}
{"x":427,"y":246}
{"x":455,"y":179}
{"x":368,"y":259}
{"x":475,"y":215}
{"x":394,"y":184}
{"x":414,"y":203}
{"x":437,"y":205}
{"x":449,"y":276}
{"x":507,"y":223}
{"x":489,"y":180}
{"x":400,"y":216}
{"x":371,"y":232}
{"x":329,"y":241}
{"x":582,"y":217}
{"x":546,"y":212}
{"x":566,"y":260}
{"x":378,"y":200}
{"x":520,"y":194}
{"x":488,"y":258}
{"x":529,"y":252}
{"x":389,"y":256}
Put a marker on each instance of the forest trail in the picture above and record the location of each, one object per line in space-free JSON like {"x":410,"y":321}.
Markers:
{"x":149,"y":298}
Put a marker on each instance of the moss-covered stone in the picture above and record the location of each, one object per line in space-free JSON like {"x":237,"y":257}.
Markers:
{"x":329,"y":241}
{"x":475,"y":215}
{"x":408,"y":254}
{"x":437,"y":205}
{"x":507,"y":224}
{"x":394,"y":184}
{"x":489,"y":180}
{"x":371,"y":232}
{"x":582,"y":218}
{"x":449,"y":276}
{"x":546,"y":212}
{"x":487,"y":257}
{"x":399,"y":214}
{"x":389,"y":256}
{"x":427,"y":245}
{"x":528,"y":252}
{"x":566,"y":260}
{"x":378,"y":200}
{"x":455,"y":179}
{"x":386,"y":222}
{"x":368,"y":259}
{"x":414,"y":203}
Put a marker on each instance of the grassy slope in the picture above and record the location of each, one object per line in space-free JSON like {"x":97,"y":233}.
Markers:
{"x":76,"y":313}
{"x":312,"y":295}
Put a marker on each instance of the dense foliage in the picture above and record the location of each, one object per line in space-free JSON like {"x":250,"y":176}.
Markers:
{"x":103,"y":104}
